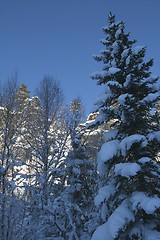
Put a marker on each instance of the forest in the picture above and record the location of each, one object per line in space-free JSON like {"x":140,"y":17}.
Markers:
{"x":66,"y":178}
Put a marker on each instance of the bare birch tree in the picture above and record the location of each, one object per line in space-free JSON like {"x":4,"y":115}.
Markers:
{"x":7,"y":140}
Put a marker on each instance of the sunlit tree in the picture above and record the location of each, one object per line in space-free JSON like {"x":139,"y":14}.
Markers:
{"x":129,"y":195}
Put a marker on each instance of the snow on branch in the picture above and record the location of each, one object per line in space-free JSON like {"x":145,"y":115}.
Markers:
{"x":116,"y":222}
{"x":104,"y":193}
{"x":138,"y":49}
{"x":128,"y":141}
{"x":127,"y":169}
{"x":141,"y":201}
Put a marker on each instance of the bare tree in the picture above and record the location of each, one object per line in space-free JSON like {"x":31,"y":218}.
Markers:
{"x":7,"y":140}
{"x":51,"y":97}
{"x":43,"y":131}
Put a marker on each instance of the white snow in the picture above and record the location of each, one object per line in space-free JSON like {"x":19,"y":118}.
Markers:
{"x":151,"y":97}
{"x":140,"y":200}
{"x":102,"y":74}
{"x":128,"y":60}
{"x":110,"y":135}
{"x":153,"y":111}
{"x":125,"y":53}
{"x":144,"y":160}
{"x":99,"y":74}
{"x":127,"y":142}
{"x":127,"y":169}
{"x":114,"y":83}
{"x":101,"y":233}
{"x":123,"y":214}
{"x":122,"y":98}
{"x":99,"y":119}
{"x":145,"y":230}
{"x":150,"y":234}
{"x":137,"y":49}
{"x":114,"y":63}
{"x":153,"y":82}
{"x":104,"y":211}
{"x":128,"y":79}
{"x":118,"y":32}
{"x":107,"y":151}
{"x":119,"y":218}
{"x":104,"y":193}
{"x":115,"y":47}
{"x":154,"y":135}
{"x":104,"y":41}
{"x":114,"y":70}
{"x":104,"y":51}
{"x":156,"y":85}
{"x":114,"y":148}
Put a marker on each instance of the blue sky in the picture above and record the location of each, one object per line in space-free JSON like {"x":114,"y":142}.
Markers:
{"x":59,"y":37}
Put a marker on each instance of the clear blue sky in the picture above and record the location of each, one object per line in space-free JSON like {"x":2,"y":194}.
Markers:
{"x":59,"y":37}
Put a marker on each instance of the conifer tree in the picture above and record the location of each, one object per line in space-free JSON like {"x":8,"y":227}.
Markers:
{"x":129,"y":195}
{"x":22,"y":104}
{"x":22,"y":97}
{"x":74,"y":208}
{"x":76,"y":112}
{"x":73,"y":205}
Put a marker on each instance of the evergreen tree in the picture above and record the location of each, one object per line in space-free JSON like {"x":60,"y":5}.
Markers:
{"x":74,"y":208}
{"x":22,"y":105}
{"x":22,"y":97}
{"x":76,"y":112}
{"x":129,"y":195}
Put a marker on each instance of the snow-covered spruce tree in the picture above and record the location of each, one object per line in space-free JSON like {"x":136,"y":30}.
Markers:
{"x":129,"y":196}
{"x":74,"y":208}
